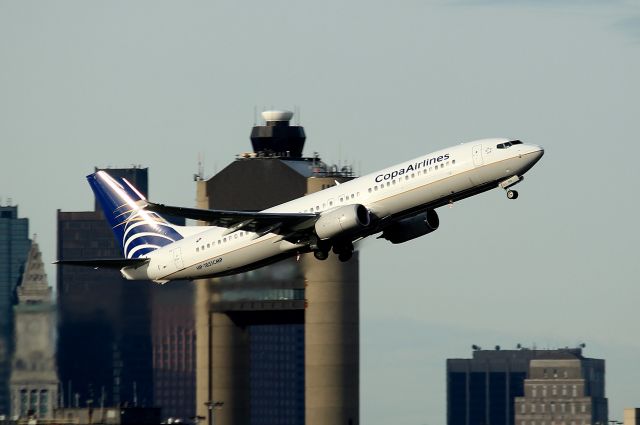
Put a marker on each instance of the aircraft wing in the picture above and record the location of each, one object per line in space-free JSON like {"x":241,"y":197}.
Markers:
{"x":105,"y":263}
{"x":253,"y":221}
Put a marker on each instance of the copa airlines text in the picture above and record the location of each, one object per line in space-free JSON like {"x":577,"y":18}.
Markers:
{"x":399,"y":203}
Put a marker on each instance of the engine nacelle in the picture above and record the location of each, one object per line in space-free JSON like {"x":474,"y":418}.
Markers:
{"x":412,"y":227}
{"x":340,"y":220}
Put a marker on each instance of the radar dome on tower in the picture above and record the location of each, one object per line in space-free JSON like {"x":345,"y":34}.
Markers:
{"x":277,"y":116}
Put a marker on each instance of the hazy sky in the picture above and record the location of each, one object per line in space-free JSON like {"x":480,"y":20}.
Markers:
{"x":116,"y":83}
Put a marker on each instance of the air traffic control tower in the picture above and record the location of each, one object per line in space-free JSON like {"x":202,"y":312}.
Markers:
{"x":280,"y":344}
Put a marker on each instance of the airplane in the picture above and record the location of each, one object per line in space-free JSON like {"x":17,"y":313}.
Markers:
{"x":398,"y":202}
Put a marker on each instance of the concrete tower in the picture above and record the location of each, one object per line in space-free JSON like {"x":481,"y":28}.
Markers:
{"x":278,"y":344}
{"x":34,"y":380}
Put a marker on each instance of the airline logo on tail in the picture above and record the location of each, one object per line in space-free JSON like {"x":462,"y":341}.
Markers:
{"x":139,"y":231}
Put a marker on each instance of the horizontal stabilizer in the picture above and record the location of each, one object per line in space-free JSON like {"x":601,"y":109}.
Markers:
{"x":105,"y":263}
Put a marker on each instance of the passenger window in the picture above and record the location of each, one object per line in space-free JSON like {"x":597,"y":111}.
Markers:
{"x":202,"y":247}
{"x":219,"y":241}
{"x":235,"y":236}
{"x":388,"y":184}
{"x":406,"y":177}
{"x":224,"y":240}
{"x":375,"y":187}
{"x":208,"y":245}
{"x":370,"y":190}
{"x":330,"y":203}
{"x":453,"y":161}
{"x":393,"y":181}
{"x":197,"y":249}
{"x":352,"y":196}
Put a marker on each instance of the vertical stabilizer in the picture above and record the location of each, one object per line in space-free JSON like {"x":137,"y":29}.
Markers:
{"x":136,"y":230}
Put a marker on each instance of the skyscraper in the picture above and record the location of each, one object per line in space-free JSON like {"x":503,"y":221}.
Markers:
{"x":14,"y":249}
{"x":563,"y":387}
{"x":482,"y":390}
{"x":34,"y":380}
{"x":121,"y":342}
{"x":278,"y":345}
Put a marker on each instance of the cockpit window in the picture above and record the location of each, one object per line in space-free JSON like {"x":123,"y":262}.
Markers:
{"x":508,"y":144}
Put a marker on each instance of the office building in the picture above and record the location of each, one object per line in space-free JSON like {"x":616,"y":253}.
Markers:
{"x":120,"y":342}
{"x":34,"y":379}
{"x":279,"y":344}
{"x":14,"y":249}
{"x":482,"y":390}
{"x":563,"y":388}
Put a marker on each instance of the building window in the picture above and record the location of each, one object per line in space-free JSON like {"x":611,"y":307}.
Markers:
{"x":544,"y":391}
{"x":44,"y":403}
{"x":534,"y":391}
{"x":564,"y":390}
{"x":575,"y":391}
{"x":533,"y":408}
{"x":554,"y":390}
{"x":523,"y":408}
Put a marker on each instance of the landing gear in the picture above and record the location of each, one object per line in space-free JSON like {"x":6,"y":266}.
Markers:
{"x":506,"y":184}
{"x":321,"y":255}
{"x":344,"y":251}
{"x":345,"y":256}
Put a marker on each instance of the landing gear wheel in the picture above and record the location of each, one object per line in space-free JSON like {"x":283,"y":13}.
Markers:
{"x":512,"y":194}
{"x":321,"y":255}
{"x":345,"y":256}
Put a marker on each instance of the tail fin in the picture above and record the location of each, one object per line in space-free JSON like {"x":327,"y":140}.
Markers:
{"x":136,"y":230}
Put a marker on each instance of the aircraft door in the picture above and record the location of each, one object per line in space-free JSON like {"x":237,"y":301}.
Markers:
{"x":177,"y":258}
{"x":477,"y":155}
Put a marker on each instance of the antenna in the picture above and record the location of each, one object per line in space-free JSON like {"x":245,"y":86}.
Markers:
{"x":255,"y":115}
{"x":200,"y":171}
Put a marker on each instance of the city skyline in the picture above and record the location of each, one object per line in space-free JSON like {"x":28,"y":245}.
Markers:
{"x":158,"y":83}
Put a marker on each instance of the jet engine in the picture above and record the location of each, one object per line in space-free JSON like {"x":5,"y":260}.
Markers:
{"x":334,"y":222}
{"x":411,"y":228}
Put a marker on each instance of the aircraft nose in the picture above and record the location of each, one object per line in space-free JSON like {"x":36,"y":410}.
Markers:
{"x":535,"y":152}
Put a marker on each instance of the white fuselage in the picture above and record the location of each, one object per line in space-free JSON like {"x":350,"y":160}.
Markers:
{"x":449,"y":174}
